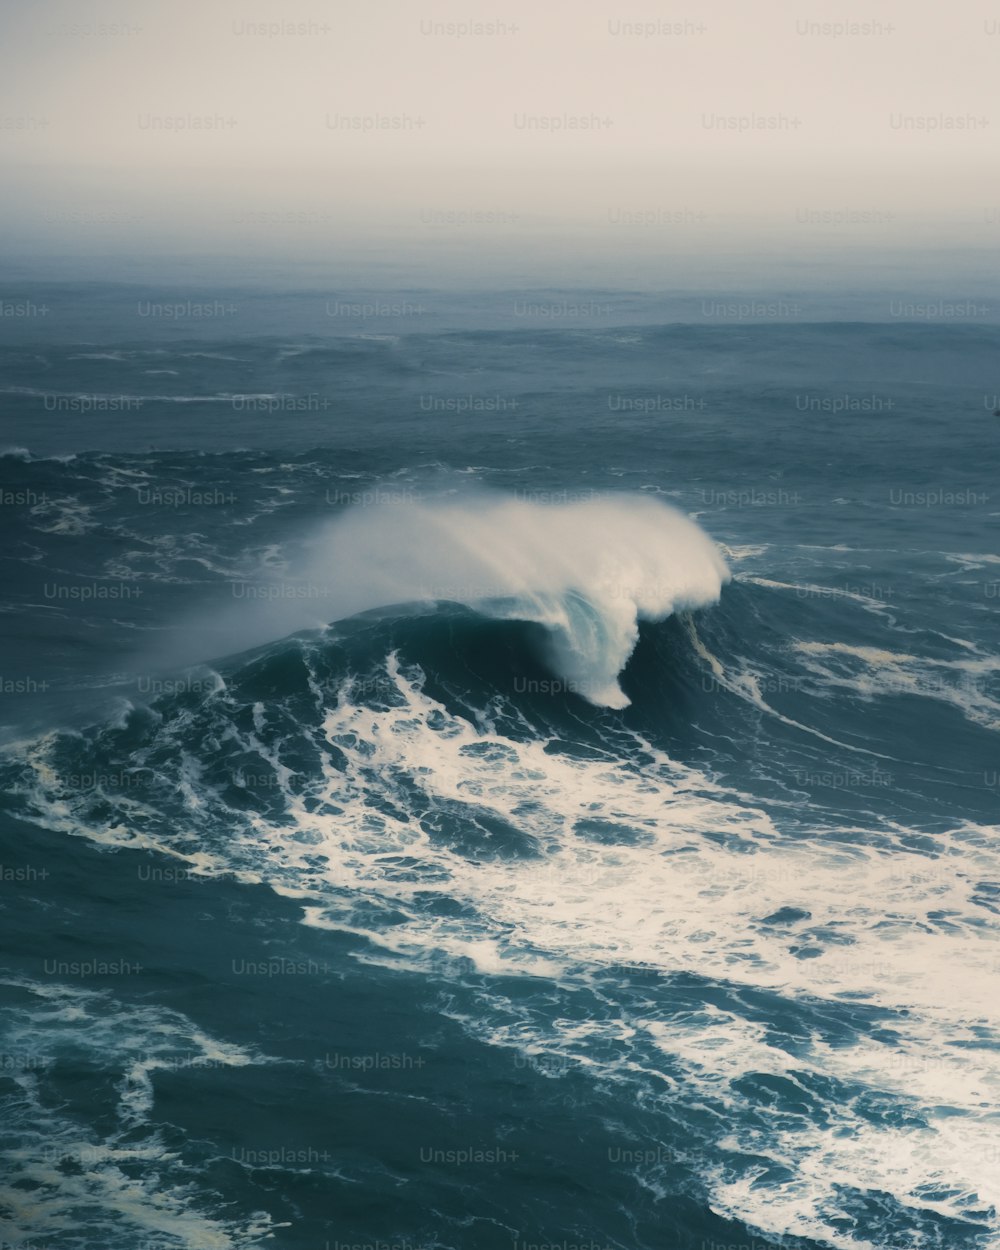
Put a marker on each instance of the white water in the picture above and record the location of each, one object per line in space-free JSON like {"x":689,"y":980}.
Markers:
{"x":587,"y":571}
{"x":655,"y":868}
{"x":121,"y":1178}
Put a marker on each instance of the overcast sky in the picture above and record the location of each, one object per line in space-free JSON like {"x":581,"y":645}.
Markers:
{"x":299,"y":128}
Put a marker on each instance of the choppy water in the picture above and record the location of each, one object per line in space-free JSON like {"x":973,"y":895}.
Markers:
{"x":352,"y":896}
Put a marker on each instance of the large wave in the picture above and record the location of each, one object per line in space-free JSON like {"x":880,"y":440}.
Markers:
{"x":587,"y":571}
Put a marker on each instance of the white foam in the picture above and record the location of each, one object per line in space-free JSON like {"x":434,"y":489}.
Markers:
{"x":64,"y":515}
{"x":623,"y":868}
{"x":679,"y":901}
{"x":971,"y":685}
{"x":99,"y":1195}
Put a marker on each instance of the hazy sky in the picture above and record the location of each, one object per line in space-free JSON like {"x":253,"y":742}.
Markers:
{"x":301,"y":128}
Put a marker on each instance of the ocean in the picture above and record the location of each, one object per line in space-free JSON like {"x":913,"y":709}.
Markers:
{"x":498,"y":770}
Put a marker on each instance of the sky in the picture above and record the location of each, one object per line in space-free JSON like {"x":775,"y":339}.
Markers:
{"x":562,"y":136}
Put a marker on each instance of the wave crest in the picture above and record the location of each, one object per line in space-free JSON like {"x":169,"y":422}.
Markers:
{"x":587,"y":571}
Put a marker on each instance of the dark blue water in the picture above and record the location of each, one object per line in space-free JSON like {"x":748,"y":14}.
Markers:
{"x":342,"y":904}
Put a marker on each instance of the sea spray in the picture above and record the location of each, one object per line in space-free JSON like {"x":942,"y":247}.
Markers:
{"x":588,"y":571}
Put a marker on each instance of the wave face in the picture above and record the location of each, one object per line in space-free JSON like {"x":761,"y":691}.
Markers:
{"x":588,"y":572}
